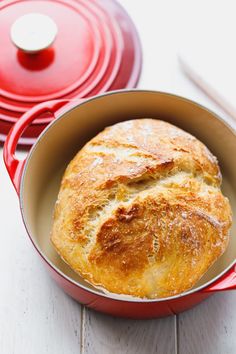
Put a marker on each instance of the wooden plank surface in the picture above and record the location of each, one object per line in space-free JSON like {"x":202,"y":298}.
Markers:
{"x":107,"y":335}
{"x":209,"y":328}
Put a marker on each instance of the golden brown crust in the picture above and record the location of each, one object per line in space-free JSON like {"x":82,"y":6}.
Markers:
{"x":140,"y":211}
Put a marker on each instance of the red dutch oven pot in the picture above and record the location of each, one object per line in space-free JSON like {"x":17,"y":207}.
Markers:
{"x":37,"y":180}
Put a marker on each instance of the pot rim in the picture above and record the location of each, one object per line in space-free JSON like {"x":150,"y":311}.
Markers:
{"x":117,"y":297}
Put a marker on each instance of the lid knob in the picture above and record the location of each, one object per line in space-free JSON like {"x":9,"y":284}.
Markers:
{"x":33,"y":32}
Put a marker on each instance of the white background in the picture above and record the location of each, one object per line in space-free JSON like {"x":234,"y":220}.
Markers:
{"x":36,"y":317}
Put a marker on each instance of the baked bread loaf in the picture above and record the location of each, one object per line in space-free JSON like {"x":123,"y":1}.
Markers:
{"x":140,"y":211}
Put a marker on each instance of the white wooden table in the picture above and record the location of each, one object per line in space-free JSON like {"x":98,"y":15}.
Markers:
{"x":36,"y":317}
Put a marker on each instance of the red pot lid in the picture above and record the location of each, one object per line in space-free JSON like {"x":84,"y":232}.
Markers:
{"x":95,"y":49}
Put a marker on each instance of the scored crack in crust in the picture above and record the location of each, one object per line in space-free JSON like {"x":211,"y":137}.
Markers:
{"x":140,"y":211}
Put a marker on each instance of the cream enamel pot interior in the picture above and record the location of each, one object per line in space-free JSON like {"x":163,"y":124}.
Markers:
{"x":37,"y":181}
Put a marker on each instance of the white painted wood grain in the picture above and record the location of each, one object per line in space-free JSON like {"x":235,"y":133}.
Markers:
{"x":209,"y":328}
{"x":109,"y":335}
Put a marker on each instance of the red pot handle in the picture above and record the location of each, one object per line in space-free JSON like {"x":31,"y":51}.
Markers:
{"x":227,"y":282}
{"x":14,"y":166}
